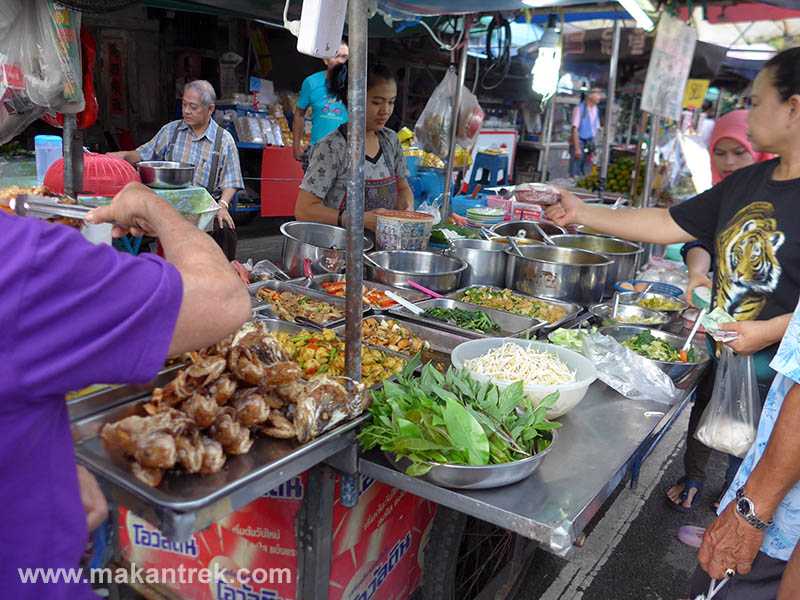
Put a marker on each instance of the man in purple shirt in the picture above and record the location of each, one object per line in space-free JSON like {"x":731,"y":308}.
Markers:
{"x":73,"y":314}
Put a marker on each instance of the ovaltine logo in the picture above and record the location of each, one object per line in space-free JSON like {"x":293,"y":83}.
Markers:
{"x":290,"y":490}
{"x":151,"y":538}
{"x":381,"y":572}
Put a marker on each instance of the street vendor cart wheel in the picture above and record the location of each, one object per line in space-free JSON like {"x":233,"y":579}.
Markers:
{"x":463,"y":556}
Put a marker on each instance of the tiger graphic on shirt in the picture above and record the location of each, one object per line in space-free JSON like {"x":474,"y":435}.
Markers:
{"x":748,"y":269}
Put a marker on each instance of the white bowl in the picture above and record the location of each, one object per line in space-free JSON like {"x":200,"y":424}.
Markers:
{"x":569,"y":394}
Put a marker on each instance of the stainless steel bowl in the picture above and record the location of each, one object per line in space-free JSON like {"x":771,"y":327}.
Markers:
{"x":629,"y":314}
{"x":624,"y":255}
{"x":486,"y":260}
{"x":165,"y":174}
{"x":633,"y":298}
{"x":513,"y":227}
{"x":682,"y":374}
{"x":435,"y":271}
{"x":324,"y":245}
{"x":466,"y":477}
{"x":562,"y":273}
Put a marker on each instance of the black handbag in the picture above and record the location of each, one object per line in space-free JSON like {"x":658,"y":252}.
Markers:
{"x":226,"y":238}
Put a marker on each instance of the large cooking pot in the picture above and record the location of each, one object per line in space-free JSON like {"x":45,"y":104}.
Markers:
{"x":513,"y":227}
{"x":624,"y":255}
{"x":165,"y":174}
{"x":435,"y":271}
{"x":324,"y":245}
{"x":562,"y":273}
{"x":486,"y":260}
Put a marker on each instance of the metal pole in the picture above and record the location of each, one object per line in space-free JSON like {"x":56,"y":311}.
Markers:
{"x":73,"y":157}
{"x":451,"y":153}
{"x":655,"y":122}
{"x":630,"y":121}
{"x":548,"y":137}
{"x":356,"y":130}
{"x":612,"y":92}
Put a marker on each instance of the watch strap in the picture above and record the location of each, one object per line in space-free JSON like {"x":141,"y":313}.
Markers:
{"x":749,"y":515}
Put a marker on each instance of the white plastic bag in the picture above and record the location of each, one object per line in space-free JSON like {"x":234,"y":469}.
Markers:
{"x":433,"y":126}
{"x":628,"y":373}
{"x":730,"y":421}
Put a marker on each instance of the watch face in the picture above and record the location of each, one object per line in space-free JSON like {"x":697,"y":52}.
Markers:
{"x":743,"y":506}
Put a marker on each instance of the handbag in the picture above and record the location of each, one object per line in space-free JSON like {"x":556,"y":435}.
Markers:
{"x":226,"y":238}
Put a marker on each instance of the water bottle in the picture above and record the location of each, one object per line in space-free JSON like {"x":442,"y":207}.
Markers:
{"x":49,"y":148}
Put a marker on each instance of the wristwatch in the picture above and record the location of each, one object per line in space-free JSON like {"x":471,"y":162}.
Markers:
{"x":746,"y":509}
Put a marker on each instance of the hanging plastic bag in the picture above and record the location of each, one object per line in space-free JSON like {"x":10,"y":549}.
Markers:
{"x":470,"y":119}
{"x":623,"y":370}
{"x":730,"y":421}
{"x":433,"y":126}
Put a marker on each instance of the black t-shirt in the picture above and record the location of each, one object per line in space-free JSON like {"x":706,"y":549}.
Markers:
{"x":753,"y":225}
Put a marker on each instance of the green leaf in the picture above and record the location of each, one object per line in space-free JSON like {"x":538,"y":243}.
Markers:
{"x":444,"y":394}
{"x":417,"y":469}
{"x":510,"y":399}
{"x":466,"y":433}
{"x":407,"y":445}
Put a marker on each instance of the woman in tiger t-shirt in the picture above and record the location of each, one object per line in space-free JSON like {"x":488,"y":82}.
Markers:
{"x":748,"y":219}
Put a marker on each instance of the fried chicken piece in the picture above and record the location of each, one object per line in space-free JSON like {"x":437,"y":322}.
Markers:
{"x":201,"y":373}
{"x":323,"y":404}
{"x":230,"y":433}
{"x":242,"y":445}
{"x":191,"y":452}
{"x":202,"y":409}
{"x":290,"y":392}
{"x":272,"y":400}
{"x":151,"y":477}
{"x":222,"y":389}
{"x":213,"y":457}
{"x":250,"y":407}
{"x":156,"y":450}
{"x":278,"y":426}
{"x":123,"y":436}
{"x":252,"y":352}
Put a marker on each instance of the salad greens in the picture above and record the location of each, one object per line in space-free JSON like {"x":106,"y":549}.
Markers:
{"x":571,"y":339}
{"x":453,"y":419}
{"x":473,"y":320}
{"x":649,"y":346}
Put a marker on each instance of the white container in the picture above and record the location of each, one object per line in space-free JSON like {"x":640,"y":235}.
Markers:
{"x":49,"y":148}
{"x":569,"y":394}
{"x":321,"y":27}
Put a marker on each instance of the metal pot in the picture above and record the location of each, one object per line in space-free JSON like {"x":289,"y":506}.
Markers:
{"x":486,"y":260}
{"x":165,"y":174}
{"x":563,"y":273}
{"x":623,"y":254}
{"x":628,"y":314}
{"x":435,"y":271}
{"x":513,"y":227}
{"x":324,"y":245}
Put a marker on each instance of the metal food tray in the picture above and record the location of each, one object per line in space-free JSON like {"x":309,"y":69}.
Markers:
{"x":317,"y":281}
{"x":573,"y":309}
{"x":284,"y":286}
{"x":108,"y":397}
{"x":511,"y":325}
{"x":441,"y":342}
{"x":185,"y":503}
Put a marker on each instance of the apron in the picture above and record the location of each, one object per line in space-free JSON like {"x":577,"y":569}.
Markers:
{"x":378,"y":193}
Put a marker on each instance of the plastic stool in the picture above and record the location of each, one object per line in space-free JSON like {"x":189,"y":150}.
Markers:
{"x":490,"y":167}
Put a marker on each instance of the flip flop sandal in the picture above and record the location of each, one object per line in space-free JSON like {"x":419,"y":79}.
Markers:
{"x":688,"y":484}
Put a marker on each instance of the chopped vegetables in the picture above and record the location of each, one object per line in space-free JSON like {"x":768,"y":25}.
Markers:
{"x":388,"y":333}
{"x":649,"y":346}
{"x":512,"y":362}
{"x":656,"y":302}
{"x":373,"y":297}
{"x":289,"y":305}
{"x":321,"y":352}
{"x":453,"y":419}
{"x":472,"y":320}
{"x":514,"y":303}
{"x":571,"y":339}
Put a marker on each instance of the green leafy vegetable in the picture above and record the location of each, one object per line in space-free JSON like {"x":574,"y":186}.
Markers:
{"x":649,"y":346}
{"x":452,"y":418}
{"x":473,"y":320}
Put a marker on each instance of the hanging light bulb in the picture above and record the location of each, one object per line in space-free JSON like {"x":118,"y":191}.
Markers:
{"x":546,"y":68}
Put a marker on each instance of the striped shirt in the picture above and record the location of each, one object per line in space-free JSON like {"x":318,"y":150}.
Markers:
{"x":197,"y":151}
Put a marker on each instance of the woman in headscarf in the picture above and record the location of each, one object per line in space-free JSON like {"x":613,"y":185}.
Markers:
{"x":730,"y":150}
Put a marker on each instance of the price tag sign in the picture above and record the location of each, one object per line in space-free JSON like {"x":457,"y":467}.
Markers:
{"x":695,"y":93}
{"x":668,"y":72}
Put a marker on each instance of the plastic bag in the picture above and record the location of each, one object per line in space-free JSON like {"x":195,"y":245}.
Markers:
{"x":433,"y":126}
{"x":730,"y":421}
{"x":631,"y":375}
{"x":470,"y":119}
{"x":432,"y":208}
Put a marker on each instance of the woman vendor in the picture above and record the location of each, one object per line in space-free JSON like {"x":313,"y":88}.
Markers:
{"x":323,"y":192}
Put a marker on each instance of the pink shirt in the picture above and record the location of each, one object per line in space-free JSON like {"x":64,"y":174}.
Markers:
{"x":593,"y":120}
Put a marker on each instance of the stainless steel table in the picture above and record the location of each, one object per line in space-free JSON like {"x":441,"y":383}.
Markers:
{"x":600,"y":439}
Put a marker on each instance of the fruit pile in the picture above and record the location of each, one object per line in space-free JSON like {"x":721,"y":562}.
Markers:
{"x":618,"y":180}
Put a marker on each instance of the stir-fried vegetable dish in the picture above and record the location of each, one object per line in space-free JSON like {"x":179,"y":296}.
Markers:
{"x":649,"y":346}
{"x":472,"y":320}
{"x":514,"y":303}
